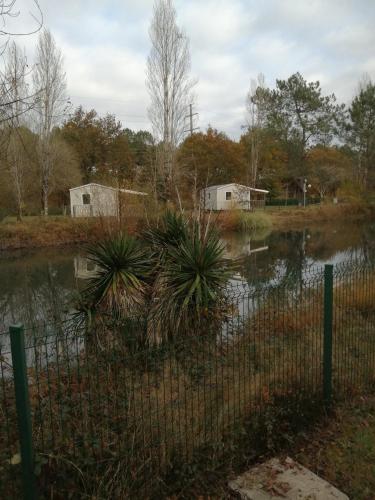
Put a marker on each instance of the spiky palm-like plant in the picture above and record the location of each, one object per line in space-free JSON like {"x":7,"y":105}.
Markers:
{"x":191,"y":281}
{"x":120,"y":284}
{"x":172,"y":231}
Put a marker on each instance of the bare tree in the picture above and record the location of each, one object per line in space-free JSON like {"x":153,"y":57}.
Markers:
{"x":8,"y":10}
{"x":168,"y":81}
{"x":8,"y":13}
{"x":255,"y":109}
{"x":14,"y":88}
{"x":15,"y":96}
{"x":50,"y":85}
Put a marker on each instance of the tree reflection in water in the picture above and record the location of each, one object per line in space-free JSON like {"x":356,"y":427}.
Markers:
{"x":37,"y":286}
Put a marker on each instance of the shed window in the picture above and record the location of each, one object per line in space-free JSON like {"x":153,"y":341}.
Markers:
{"x":86,"y":199}
{"x":228,"y":195}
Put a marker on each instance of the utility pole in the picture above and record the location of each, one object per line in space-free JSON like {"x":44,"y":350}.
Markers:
{"x":190,"y":116}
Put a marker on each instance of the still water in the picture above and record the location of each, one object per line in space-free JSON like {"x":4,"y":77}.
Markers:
{"x":40,"y":284}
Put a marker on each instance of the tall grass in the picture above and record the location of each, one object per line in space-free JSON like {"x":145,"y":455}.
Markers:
{"x":252,"y":221}
{"x":238,"y":220}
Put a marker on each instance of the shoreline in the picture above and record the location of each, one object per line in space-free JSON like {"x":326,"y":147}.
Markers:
{"x":58,"y":231}
{"x":288,"y":218}
{"x":296,"y":218}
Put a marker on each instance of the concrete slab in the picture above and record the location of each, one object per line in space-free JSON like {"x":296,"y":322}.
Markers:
{"x":284,"y":480}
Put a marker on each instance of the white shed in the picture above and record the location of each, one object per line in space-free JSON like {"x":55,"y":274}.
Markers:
{"x":96,"y":200}
{"x":232,"y":196}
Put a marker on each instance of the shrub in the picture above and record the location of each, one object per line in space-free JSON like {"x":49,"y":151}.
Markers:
{"x":174,"y":281}
{"x":172,"y":230}
{"x":120,"y":284}
{"x":237,"y":220}
{"x":190,"y":282}
{"x":251,"y":221}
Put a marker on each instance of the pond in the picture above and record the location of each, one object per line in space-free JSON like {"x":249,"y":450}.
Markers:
{"x":38,"y":285}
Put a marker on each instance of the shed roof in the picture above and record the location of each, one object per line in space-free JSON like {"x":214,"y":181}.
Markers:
{"x":128,"y":191}
{"x":221,"y":186}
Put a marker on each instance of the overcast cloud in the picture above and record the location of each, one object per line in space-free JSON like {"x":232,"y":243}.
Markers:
{"x":105,"y":46}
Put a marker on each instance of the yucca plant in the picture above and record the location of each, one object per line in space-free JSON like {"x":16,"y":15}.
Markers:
{"x":172,"y":230}
{"x":120,"y":285}
{"x":190,"y":283}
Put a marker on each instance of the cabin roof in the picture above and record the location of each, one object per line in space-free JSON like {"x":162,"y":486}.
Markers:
{"x":128,"y":191}
{"x":221,"y":186}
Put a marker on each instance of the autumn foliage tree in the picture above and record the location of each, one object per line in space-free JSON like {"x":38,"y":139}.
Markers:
{"x":106,"y":151}
{"x":328,"y":167}
{"x":209,"y":158}
{"x":272,"y":160}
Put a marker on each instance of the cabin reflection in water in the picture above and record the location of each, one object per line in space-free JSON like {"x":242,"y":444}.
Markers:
{"x":242,"y":247}
{"x":84,"y":268}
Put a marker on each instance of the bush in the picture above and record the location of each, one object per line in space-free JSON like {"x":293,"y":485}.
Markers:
{"x":190,"y":282}
{"x":120,"y":284}
{"x":175,"y":277}
{"x":237,"y":220}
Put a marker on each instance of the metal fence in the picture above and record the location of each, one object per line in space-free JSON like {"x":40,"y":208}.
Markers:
{"x":290,"y":202}
{"x":107,"y":405}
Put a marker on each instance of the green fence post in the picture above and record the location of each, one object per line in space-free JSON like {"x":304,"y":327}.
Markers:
{"x":17,"y":342}
{"x":328,"y":327}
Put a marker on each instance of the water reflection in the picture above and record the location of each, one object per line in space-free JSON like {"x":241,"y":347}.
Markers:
{"x":38,"y":285}
{"x":84,"y":268}
{"x":286,"y":257}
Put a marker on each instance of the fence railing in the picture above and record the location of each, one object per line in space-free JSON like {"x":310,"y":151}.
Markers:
{"x":107,"y":404}
{"x":290,"y":202}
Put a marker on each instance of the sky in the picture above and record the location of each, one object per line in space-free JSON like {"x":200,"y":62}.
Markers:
{"x":105,"y":44}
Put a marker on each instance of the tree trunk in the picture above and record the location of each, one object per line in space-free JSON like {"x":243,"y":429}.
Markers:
{"x":45,"y":198}
{"x":19,"y":213}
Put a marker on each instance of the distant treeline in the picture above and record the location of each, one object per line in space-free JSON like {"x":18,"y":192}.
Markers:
{"x":295,"y":135}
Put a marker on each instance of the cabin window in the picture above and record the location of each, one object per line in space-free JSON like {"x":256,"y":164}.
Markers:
{"x":228,"y":195}
{"x":86,"y":199}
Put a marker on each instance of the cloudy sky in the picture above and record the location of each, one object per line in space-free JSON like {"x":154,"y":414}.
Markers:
{"x":105,"y":45}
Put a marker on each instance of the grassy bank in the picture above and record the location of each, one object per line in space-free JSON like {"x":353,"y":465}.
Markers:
{"x":34,"y":232}
{"x":297,"y":217}
{"x":286,"y":218}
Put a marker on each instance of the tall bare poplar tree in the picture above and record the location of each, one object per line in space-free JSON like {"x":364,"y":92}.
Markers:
{"x":50,"y":86}
{"x":9,"y":11}
{"x":14,"y":89}
{"x":255,"y":109}
{"x":168,"y":82}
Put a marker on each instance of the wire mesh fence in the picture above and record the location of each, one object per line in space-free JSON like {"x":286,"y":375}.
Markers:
{"x":108,"y":400}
